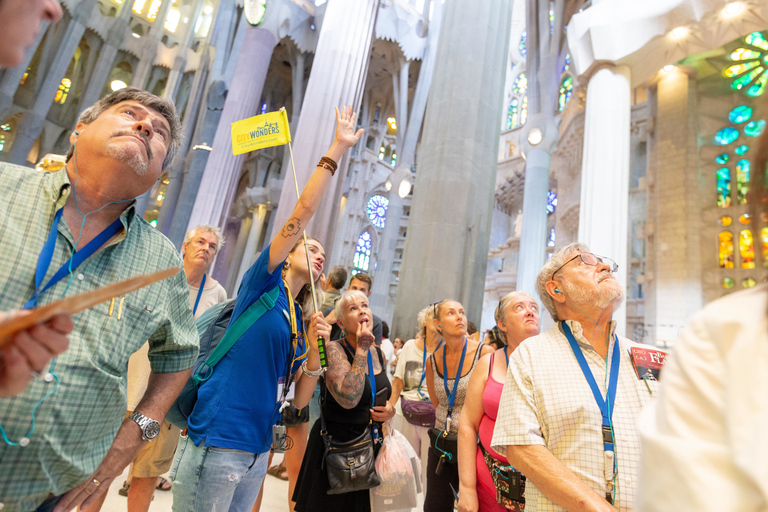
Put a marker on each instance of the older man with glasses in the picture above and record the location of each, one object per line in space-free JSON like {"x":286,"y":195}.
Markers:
{"x":577,"y":444}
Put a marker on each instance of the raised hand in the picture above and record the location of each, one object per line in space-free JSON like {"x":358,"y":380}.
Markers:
{"x":318,"y":327}
{"x":345,"y":127}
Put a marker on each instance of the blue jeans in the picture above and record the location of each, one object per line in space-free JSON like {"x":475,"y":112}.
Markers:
{"x":207,"y":478}
{"x":49,"y":504}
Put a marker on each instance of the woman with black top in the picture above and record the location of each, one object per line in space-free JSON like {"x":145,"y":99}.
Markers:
{"x":347,"y":405}
{"x":448,"y":374}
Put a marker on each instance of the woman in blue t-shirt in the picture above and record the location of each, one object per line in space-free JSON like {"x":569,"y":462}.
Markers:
{"x":222,"y":462}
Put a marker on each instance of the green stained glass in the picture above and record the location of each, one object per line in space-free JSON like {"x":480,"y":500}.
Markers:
{"x":726,"y":135}
{"x":757,"y":39}
{"x":747,"y":78}
{"x":740,"y":114}
{"x":566,"y":88}
{"x":741,"y":149}
{"x":744,"y":54}
{"x":758,"y":87}
{"x":724,"y":187}
{"x":721,"y":159}
{"x":754,"y":128}
{"x":728,"y":283}
{"x":738,"y":69}
{"x":742,"y":181}
{"x":521,"y":84}
{"x":748,"y":282}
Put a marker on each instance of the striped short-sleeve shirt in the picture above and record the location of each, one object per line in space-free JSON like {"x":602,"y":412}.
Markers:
{"x":77,"y":424}
{"x":547,"y":401}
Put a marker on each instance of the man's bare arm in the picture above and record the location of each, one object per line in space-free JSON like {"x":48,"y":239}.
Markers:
{"x":554,"y":480}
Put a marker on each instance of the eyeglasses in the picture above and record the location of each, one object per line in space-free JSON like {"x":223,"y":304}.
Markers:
{"x":434,"y":306}
{"x":590,"y":259}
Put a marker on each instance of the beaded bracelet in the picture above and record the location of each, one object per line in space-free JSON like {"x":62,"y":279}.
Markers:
{"x":329,"y":164}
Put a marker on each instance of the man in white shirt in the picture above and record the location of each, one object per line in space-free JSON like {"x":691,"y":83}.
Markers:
{"x":578,"y":451}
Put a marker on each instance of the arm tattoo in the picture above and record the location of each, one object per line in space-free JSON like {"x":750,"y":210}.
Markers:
{"x":345,"y":383}
{"x":291,"y":227}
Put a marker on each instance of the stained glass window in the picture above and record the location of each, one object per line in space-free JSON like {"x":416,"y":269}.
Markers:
{"x":726,"y":249}
{"x":567,"y":63}
{"x":63,"y":91}
{"x":393,"y":162}
{"x":551,"y":201}
{"x":742,"y":181}
{"x":726,"y":135}
{"x":724,"y":187}
{"x":754,"y":128}
{"x":382,"y":151}
{"x":746,"y":249}
{"x":524,"y":111}
{"x":764,"y":236}
{"x":741,"y":149}
{"x":728,"y":283}
{"x":521,"y":84}
{"x":748,"y":282}
{"x":566,"y":88}
{"x":377,"y":210}
{"x":3,"y":128}
{"x":725,"y":221}
{"x":362,"y":258}
{"x":721,"y":159}
{"x":551,"y":240}
{"x":264,"y":108}
{"x":740,"y":114}
{"x":551,"y":17}
{"x":749,"y":72}
{"x":513,"y":114}
{"x":522,"y":46}
{"x":744,"y":218}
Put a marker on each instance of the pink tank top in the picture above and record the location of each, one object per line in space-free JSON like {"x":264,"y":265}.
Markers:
{"x":491,"y":398}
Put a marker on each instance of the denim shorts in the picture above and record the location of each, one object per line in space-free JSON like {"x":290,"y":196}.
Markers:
{"x":207,"y":478}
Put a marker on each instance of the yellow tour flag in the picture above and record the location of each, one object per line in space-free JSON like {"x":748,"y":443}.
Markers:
{"x":262,"y":131}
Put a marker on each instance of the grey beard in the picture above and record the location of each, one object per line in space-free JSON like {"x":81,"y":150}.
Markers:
{"x":610,"y":296}
{"x":130,"y":156}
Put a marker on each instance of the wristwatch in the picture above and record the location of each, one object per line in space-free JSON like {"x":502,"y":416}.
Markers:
{"x":149,"y":427}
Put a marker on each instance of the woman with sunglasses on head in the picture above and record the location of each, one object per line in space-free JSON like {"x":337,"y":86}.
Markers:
{"x":448,"y":376}
{"x":355,"y":383}
{"x":517,"y":318}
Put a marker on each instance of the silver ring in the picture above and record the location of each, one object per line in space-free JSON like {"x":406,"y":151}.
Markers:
{"x":96,"y":482}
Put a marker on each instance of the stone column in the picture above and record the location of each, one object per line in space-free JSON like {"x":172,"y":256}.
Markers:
{"x":151,"y":40}
{"x":605,"y":170}
{"x":11,"y":78}
{"x":222,"y":171}
{"x":338,"y":75}
{"x":254,"y":234}
{"x":447,"y":245}
{"x":32,"y":121}
{"x":174,"y":77}
{"x":533,"y":238}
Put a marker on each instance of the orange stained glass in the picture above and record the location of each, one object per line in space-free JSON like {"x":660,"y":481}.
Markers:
{"x":746,"y":249}
{"x":764,"y":236}
{"x":725,"y":221}
{"x":726,"y":249}
{"x":744,"y":218}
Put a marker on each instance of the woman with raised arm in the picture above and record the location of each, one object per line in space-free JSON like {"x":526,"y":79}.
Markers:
{"x":222,"y":462}
{"x":517,"y":318}
{"x":355,"y":382}
{"x":447,"y":378}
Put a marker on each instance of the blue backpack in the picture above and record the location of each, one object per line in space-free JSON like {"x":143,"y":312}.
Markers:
{"x":217,"y":336}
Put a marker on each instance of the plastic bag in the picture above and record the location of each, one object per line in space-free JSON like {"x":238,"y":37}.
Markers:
{"x":395,"y":467}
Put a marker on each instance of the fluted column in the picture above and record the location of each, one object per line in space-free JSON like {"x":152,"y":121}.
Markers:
{"x":32,"y":121}
{"x":222,"y":171}
{"x":605,"y":170}
{"x":449,"y":228}
{"x":338,"y":76}
{"x":533,"y":237}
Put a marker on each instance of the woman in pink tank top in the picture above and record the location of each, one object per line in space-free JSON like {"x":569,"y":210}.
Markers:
{"x":517,"y":317}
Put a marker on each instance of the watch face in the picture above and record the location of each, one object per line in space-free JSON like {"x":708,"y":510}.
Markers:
{"x":254,"y":11}
{"x":152,"y":430}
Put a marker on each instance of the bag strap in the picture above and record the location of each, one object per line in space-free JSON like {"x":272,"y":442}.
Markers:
{"x":236,"y":330}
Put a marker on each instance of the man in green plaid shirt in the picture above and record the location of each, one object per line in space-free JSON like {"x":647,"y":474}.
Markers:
{"x":79,"y":440}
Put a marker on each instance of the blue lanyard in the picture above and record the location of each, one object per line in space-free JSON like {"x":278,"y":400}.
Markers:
{"x":606,"y":408}
{"x":46,"y":254}
{"x":199,"y":294}
{"x":452,"y":396}
{"x":424,"y":367}
{"x":371,"y":377}
{"x":506,"y":356}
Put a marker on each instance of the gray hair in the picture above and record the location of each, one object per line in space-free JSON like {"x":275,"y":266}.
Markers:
{"x":207,"y":229}
{"x":345,"y":299}
{"x":504,"y":303}
{"x":165,"y":107}
{"x":425,"y":315}
{"x":337,"y":277}
{"x":558,"y":259}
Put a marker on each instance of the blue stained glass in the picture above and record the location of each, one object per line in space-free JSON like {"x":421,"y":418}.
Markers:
{"x":740,"y":114}
{"x":522,"y":45}
{"x":741,"y":149}
{"x":724,"y":187}
{"x":726,"y":135}
{"x":754,"y":128}
{"x":721,"y":159}
{"x":551,"y":241}
{"x":377,"y":211}
{"x":551,"y":201}
{"x":264,"y":108}
{"x":362,"y":257}
{"x":567,"y":62}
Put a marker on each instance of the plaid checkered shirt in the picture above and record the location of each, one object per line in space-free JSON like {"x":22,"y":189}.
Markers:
{"x":547,"y":401}
{"x":77,"y":424}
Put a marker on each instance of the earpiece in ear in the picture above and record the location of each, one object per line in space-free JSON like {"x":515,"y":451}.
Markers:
{"x":77,"y":133}
{"x":439,"y":326}
{"x":557,"y":290}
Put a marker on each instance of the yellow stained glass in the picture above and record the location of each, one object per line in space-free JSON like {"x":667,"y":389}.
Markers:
{"x":153,"y":8}
{"x":725,"y":221}
{"x":744,"y":54}
{"x":746,"y":249}
{"x":764,"y":236}
{"x":748,"y":282}
{"x":726,"y":249}
{"x":757,"y":39}
{"x":744,"y":219}
{"x":138,"y":6}
{"x":738,"y":69}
